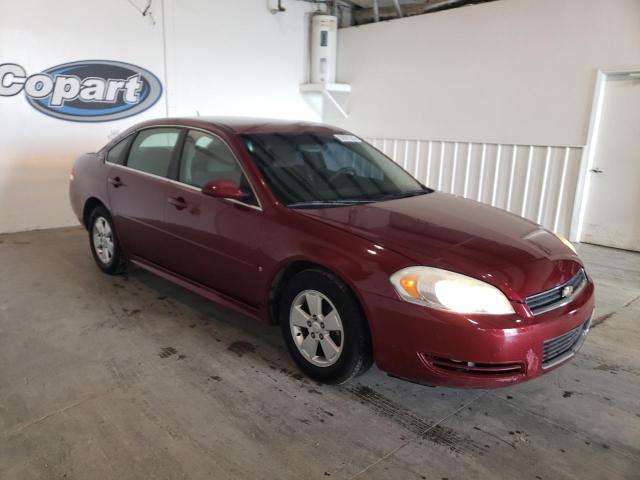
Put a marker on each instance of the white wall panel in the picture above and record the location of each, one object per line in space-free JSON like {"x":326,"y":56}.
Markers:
{"x":533,"y":181}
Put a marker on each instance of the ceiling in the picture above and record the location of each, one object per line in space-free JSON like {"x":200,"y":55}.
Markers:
{"x":365,"y":11}
{"x":384,"y":3}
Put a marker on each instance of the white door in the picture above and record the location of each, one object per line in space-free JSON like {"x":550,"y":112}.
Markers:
{"x":612,"y":216}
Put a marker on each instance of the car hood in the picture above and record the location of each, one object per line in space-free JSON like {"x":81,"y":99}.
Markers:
{"x":446,"y":231}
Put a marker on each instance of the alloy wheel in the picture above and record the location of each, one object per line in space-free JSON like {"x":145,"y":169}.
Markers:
{"x":316,"y":328}
{"x":103,"y":243}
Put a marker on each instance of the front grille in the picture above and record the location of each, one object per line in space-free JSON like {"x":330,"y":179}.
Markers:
{"x":560,"y":348}
{"x":474,"y":368}
{"x":556,"y":297}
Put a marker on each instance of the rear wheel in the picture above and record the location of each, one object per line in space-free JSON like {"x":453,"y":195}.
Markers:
{"x":324,"y":328}
{"x":104,"y":242}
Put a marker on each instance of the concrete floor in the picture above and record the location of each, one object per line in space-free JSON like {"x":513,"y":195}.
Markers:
{"x":133,"y":377}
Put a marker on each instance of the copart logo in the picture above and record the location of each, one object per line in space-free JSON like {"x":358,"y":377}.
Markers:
{"x":86,"y":91}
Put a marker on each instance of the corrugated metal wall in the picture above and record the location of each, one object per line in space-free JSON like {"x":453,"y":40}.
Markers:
{"x":537,"y":182}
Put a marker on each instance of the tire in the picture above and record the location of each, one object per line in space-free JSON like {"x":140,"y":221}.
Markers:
{"x":345,"y":336}
{"x":105,"y":248}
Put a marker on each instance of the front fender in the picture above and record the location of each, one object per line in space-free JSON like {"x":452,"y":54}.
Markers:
{"x":361,"y":264}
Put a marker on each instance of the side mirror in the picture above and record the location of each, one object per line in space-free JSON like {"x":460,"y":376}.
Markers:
{"x":224,"y":189}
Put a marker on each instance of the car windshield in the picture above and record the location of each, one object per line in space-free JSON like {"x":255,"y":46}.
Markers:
{"x":319,"y":170}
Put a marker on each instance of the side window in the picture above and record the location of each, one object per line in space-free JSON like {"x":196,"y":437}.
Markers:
{"x":152,"y":150}
{"x":118,"y":153}
{"x":206,"y":158}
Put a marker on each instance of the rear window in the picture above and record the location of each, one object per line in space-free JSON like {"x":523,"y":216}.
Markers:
{"x":118,"y":153}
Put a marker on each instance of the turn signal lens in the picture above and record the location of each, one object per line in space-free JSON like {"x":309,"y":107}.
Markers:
{"x":410,"y":285}
{"x":445,"y":290}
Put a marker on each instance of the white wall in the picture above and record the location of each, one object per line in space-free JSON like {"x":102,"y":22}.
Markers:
{"x":236,"y":58}
{"x":490,"y":77}
{"x":510,"y":71}
{"x":223,"y":58}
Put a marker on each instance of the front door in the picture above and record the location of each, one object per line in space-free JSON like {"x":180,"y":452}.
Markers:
{"x":137,"y":192}
{"x":612,"y":216}
{"x":212,"y":241}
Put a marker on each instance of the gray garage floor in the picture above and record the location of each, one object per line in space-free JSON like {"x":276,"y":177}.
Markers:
{"x":132,"y":377}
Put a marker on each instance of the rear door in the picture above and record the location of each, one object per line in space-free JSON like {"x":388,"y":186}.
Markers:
{"x":137,"y":192}
{"x":212,"y":241}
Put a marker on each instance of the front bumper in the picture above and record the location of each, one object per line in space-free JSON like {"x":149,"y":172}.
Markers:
{"x":475,"y":351}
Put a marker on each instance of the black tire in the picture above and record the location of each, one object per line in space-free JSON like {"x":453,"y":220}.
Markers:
{"x":116,"y":263}
{"x":355,"y":357}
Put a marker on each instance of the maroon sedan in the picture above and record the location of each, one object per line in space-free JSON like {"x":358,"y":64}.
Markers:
{"x":310,"y":227}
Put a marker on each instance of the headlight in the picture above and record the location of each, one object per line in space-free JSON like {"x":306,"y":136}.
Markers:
{"x":567,"y":243}
{"x":436,"y":288}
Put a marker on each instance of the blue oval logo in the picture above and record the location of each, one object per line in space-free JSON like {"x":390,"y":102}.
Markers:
{"x":85,"y":91}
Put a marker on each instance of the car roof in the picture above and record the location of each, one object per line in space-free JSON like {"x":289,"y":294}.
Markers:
{"x":242,"y":125}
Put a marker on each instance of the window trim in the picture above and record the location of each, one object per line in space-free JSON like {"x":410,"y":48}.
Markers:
{"x":179,"y":147}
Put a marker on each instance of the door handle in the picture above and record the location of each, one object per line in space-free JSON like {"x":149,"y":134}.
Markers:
{"x":115,"y":181}
{"x":177,"y":202}
{"x":595,"y":170}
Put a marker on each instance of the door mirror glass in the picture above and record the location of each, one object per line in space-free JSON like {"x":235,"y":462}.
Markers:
{"x":224,"y":189}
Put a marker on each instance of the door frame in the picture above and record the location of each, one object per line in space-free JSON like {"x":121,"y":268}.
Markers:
{"x":588,"y":154}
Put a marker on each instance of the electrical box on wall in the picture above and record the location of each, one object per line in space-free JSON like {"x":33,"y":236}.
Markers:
{"x":324,"y":39}
{"x":323,"y":59}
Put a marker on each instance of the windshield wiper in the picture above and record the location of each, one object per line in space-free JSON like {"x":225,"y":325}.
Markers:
{"x":394,"y":196}
{"x":326,"y":203}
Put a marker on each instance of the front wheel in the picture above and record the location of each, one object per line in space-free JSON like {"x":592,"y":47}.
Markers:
{"x":104,"y":242}
{"x":324,"y":328}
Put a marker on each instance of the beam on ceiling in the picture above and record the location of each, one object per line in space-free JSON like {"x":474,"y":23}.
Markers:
{"x":382,"y":13}
{"x":396,"y":4}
